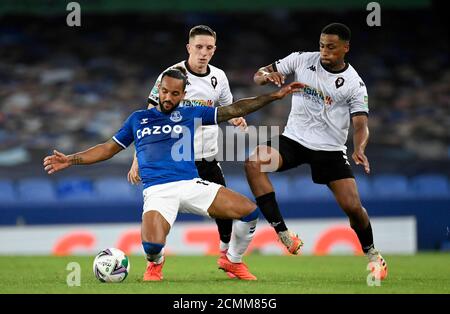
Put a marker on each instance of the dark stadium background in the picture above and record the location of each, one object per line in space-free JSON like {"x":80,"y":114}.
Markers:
{"x":71,"y":87}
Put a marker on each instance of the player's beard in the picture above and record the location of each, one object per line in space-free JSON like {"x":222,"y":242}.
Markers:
{"x":330,"y":65}
{"x":164,"y":110}
{"x":327,"y":64}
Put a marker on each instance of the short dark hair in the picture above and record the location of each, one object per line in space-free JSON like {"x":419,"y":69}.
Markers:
{"x":202,"y":30}
{"x":177,"y":72}
{"x":339,"y":29}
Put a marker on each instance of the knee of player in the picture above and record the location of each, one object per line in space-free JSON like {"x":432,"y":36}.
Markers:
{"x":151,"y":248}
{"x":252,"y":213}
{"x":352,"y":205}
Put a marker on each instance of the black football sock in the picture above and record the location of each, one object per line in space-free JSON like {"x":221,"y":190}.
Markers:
{"x":365,"y":237}
{"x":269,"y":207}
{"x":225,"y":226}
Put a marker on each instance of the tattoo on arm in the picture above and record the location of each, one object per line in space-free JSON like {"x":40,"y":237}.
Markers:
{"x":243,"y":107}
{"x":76,"y":160}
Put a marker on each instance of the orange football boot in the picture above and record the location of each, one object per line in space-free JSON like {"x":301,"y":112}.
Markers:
{"x":153,"y":272}
{"x":239,"y":270}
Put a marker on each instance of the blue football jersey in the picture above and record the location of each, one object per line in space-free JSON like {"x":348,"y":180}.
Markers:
{"x":165,"y":142}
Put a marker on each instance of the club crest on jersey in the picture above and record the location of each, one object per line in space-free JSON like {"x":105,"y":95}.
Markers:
{"x":339,"y":82}
{"x":214,"y":82}
{"x":176,"y":116}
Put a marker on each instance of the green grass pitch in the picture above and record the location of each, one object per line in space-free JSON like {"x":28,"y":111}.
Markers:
{"x":422,"y":273}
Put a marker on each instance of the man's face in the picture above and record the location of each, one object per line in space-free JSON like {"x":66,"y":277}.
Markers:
{"x":332,"y":49}
{"x":201,"y":49}
{"x":171,"y":92}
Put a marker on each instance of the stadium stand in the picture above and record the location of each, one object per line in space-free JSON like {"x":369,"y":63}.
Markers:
{"x":36,"y":190}
{"x":431,"y":185}
{"x":116,"y":188}
{"x":74,"y":188}
{"x":391,"y":185}
{"x":76,"y":93}
{"x":8,"y":193}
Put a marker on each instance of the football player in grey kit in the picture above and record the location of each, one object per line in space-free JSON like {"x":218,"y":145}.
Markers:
{"x":316,"y":133}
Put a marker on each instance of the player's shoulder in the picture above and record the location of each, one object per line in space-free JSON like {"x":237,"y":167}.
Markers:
{"x":354,"y":78}
{"x":188,"y":112}
{"x":141,"y":112}
{"x":136,"y":115}
{"x":178,"y":64}
{"x":298,"y":59}
{"x":216,"y":71}
{"x":304,"y":54}
{"x":310,"y":54}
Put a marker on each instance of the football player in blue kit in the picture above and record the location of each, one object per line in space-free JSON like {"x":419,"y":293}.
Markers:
{"x":163,"y":137}
{"x":207,"y":86}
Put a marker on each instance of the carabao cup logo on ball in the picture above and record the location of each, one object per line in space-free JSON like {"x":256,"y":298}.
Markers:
{"x":111,"y":265}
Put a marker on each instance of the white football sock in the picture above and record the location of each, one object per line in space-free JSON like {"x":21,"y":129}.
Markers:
{"x":242,"y":235}
{"x":224,"y":246}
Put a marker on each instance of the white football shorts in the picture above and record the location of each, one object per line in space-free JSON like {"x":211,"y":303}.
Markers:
{"x":187,"y":196}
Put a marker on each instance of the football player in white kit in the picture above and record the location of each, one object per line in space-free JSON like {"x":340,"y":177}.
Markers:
{"x":207,"y":86}
{"x":316,"y":133}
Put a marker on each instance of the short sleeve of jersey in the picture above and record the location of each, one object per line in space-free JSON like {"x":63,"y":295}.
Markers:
{"x":207,"y":114}
{"x":359,"y":99}
{"x":288,"y":64}
{"x":124,"y":137}
{"x":153,"y":97}
{"x":225,"y":97}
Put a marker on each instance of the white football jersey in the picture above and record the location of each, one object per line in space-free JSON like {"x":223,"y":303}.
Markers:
{"x":210,"y":89}
{"x":320,"y":113}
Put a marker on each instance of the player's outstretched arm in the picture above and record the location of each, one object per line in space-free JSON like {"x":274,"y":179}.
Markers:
{"x":267,"y":75}
{"x":360,"y":140}
{"x":245,"y":106}
{"x":58,"y":161}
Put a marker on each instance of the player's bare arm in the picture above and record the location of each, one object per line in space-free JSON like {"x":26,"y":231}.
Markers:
{"x":267,"y":74}
{"x":360,"y":140}
{"x":245,"y":106}
{"x":59,"y":161}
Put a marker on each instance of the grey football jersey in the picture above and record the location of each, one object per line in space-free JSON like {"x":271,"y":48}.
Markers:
{"x":320,"y":113}
{"x":210,"y":89}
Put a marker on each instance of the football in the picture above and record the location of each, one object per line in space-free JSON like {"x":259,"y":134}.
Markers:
{"x":111,"y":265}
